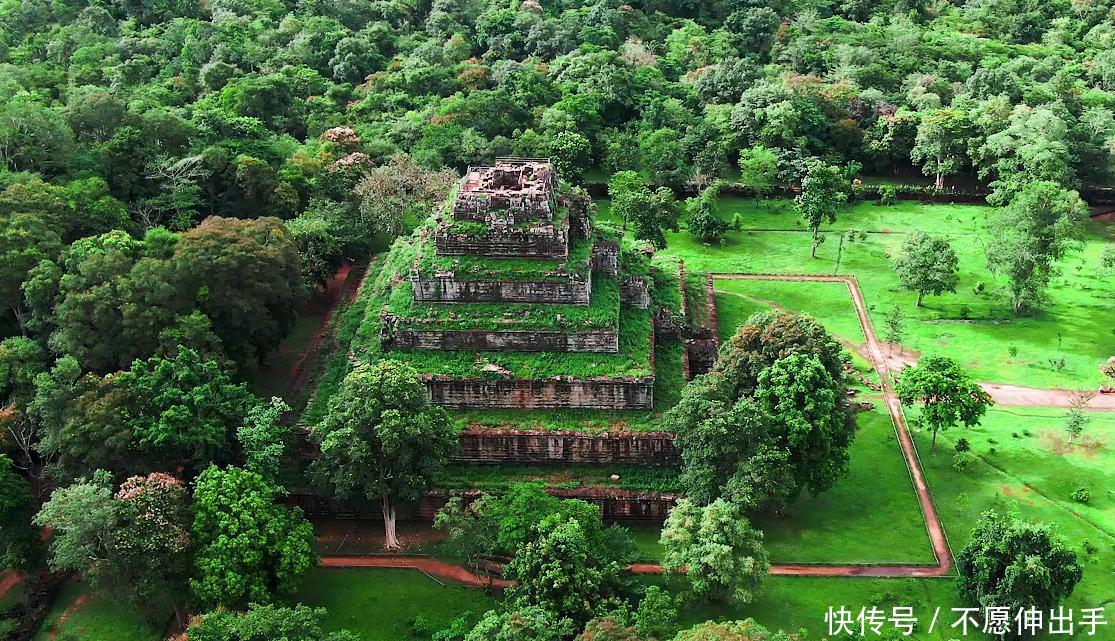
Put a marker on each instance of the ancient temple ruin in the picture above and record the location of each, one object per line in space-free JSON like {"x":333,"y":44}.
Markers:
{"x":510,"y":297}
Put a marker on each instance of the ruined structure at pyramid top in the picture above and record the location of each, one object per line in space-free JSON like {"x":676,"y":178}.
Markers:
{"x":522,"y":188}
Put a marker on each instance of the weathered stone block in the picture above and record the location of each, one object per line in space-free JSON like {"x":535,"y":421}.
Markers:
{"x":494,"y":446}
{"x":603,"y":341}
{"x":552,"y":393}
{"x":445,"y":288}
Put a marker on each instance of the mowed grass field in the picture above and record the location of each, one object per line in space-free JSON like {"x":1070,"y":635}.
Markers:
{"x":869,"y":516}
{"x":81,"y":614}
{"x":974,"y":324}
{"x":1025,"y":464}
{"x":390,"y":605}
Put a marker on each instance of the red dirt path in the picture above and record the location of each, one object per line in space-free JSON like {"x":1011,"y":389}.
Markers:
{"x":8,"y":580}
{"x":433,"y":567}
{"x":874,"y":353}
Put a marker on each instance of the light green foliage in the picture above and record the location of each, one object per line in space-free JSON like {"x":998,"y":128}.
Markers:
{"x":927,"y":265}
{"x":249,"y":548}
{"x":747,"y":630}
{"x":940,"y":143}
{"x":530,"y":623}
{"x":262,"y":438}
{"x":722,"y":554}
{"x":946,"y":394}
{"x":25,"y":240}
{"x":559,"y":572}
{"x":758,"y":169}
{"x":82,"y":516}
{"x":824,"y":190}
{"x":1032,"y":233}
{"x":265,"y":623}
{"x":657,"y":614}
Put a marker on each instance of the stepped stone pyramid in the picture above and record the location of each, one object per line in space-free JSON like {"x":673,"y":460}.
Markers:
{"x":511,"y":298}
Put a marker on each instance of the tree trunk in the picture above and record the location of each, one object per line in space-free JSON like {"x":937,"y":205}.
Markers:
{"x":934,"y":445}
{"x":20,"y":317}
{"x":940,"y":180}
{"x":390,"y":541}
{"x":920,"y":296}
{"x":813,"y":248}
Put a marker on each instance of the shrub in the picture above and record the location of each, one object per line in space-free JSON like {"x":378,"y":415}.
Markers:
{"x":1081,"y":495}
{"x":962,"y":445}
{"x":963,"y":461}
{"x":888,"y":194}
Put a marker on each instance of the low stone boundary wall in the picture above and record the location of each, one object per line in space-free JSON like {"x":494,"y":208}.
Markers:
{"x":625,"y":506}
{"x":603,"y":341}
{"x":575,"y":290}
{"x":552,"y":393}
{"x":634,"y":292}
{"x":495,"y":446}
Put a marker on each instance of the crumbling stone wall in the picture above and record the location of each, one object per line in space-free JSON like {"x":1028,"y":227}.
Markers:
{"x":551,"y":243}
{"x":635,"y":292}
{"x":605,"y":257}
{"x":625,"y":506}
{"x":493,"y":446}
{"x":575,"y":290}
{"x":551,"y":393}
{"x":701,"y":350}
{"x":603,"y":341}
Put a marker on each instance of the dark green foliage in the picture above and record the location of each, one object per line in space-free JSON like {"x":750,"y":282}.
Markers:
{"x":19,"y":540}
{"x":159,"y":414}
{"x":1015,"y":564}
{"x":771,"y":420}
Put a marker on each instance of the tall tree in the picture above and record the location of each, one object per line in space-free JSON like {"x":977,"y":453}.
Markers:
{"x":946,"y":393}
{"x":940,"y":144}
{"x":249,"y":548}
{"x":722,"y":554}
{"x":246,"y":277}
{"x":1014,"y":564}
{"x":160,"y":414}
{"x":927,"y":265}
{"x":560,"y":573}
{"x":758,"y":167}
{"x":382,"y":440}
{"x":1032,"y":233}
{"x":824,"y":190}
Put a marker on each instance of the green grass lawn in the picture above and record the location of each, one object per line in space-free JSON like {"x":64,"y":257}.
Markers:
{"x":1026,"y":465}
{"x":78,"y":613}
{"x":389,"y":605}
{"x":977,"y":327}
{"x":869,"y":516}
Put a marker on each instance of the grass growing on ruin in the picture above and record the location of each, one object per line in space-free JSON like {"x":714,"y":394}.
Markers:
{"x":494,"y":478}
{"x":1062,"y":345}
{"x":1024,"y":463}
{"x":389,"y":605}
{"x":633,"y":359}
{"x":602,"y":312}
{"x":484,"y":268}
